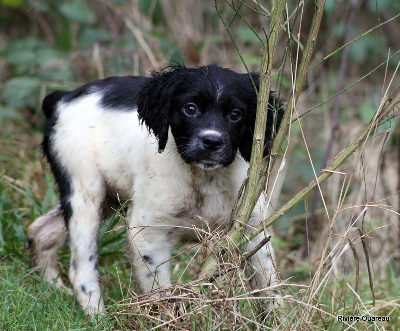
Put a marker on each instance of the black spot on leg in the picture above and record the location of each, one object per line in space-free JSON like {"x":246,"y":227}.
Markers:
{"x":83,"y":289}
{"x":91,"y":257}
{"x":148,"y":259}
{"x":73,"y":264}
{"x":96,"y":267}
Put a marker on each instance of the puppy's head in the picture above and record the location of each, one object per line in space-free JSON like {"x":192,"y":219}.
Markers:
{"x":210,"y":110}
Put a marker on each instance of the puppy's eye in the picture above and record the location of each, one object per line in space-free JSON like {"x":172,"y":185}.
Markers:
{"x":235,"y":115}
{"x":190,"y":109}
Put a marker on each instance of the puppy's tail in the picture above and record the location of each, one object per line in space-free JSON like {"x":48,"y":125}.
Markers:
{"x":50,"y":102}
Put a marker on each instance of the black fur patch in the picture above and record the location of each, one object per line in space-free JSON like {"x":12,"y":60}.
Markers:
{"x":50,"y":103}
{"x":121,"y":92}
{"x":148,"y":259}
{"x":274,"y":118}
{"x":60,"y":174}
{"x":118,"y":92}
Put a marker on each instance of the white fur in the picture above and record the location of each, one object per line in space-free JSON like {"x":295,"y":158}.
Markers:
{"x":108,"y":149}
{"x":211,"y":133}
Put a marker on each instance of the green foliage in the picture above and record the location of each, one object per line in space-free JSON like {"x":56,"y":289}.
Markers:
{"x":112,"y":236}
{"x":330,"y":5}
{"x":12,"y":3}
{"x":153,"y":9}
{"x":377,"y":6}
{"x":171,"y":51}
{"x":8,"y":112}
{"x":21,"y":92}
{"x":21,"y":54}
{"x":366,"y":48}
{"x":78,"y":11}
{"x":89,"y":36}
{"x":371,"y":47}
{"x":32,"y":63}
{"x":366,"y":112}
{"x":374,"y":6}
{"x":247,"y":35}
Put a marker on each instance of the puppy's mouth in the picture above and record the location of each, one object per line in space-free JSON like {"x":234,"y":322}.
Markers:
{"x":196,"y":155}
{"x":208,"y":165}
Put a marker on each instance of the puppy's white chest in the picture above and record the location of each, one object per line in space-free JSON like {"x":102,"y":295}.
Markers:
{"x":209,"y":201}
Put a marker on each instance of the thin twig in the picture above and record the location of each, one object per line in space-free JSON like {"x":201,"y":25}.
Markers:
{"x":366,"y":252}
{"x":261,"y":244}
{"x":357,"y":261}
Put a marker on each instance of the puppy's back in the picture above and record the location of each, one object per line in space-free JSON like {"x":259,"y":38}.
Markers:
{"x":95,"y":128}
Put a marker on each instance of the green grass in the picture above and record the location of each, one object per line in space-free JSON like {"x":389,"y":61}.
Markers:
{"x":31,"y":304}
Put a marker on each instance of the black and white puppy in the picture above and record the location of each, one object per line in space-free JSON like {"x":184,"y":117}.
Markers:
{"x":188,"y":159}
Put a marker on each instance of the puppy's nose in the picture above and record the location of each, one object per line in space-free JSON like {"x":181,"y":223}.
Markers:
{"x":212,"y":142}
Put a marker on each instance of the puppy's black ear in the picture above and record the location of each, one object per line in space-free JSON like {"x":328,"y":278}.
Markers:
{"x":274,"y":116}
{"x":154,"y":102}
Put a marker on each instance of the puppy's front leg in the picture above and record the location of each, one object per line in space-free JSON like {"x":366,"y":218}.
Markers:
{"x":151,"y":247}
{"x":263,"y":273}
{"x":263,"y":269}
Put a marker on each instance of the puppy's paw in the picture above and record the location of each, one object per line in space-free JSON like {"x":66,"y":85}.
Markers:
{"x":91,"y":302}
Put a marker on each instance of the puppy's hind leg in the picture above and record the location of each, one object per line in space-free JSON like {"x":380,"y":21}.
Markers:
{"x":46,"y":235}
{"x":86,"y":212}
